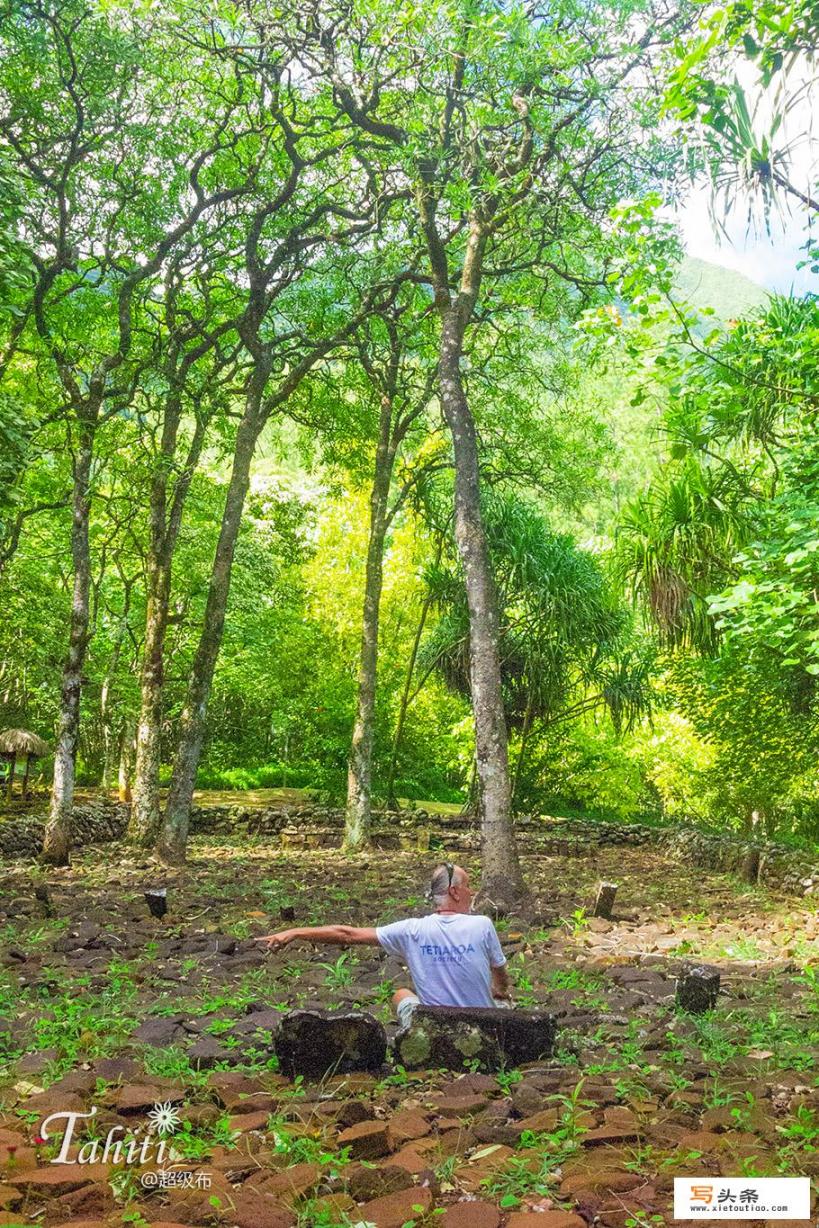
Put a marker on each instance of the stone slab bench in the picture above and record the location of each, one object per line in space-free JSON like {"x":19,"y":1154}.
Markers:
{"x":455,"y":1037}
{"x":315,"y":1043}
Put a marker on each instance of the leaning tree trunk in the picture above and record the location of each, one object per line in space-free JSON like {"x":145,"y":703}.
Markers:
{"x":359,"y":777}
{"x":502,"y":882}
{"x":57,"y":843}
{"x":173,"y":836}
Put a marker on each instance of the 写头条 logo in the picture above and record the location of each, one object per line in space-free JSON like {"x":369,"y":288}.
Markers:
{"x":741,"y":1198}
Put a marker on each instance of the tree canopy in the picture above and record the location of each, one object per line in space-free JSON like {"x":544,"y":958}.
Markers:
{"x":357,"y":423}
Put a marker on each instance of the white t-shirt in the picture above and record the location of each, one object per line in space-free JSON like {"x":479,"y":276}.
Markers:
{"x":449,"y":956}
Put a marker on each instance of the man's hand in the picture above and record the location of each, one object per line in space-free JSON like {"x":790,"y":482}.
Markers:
{"x":501,"y":985}
{"x":275,"y":942}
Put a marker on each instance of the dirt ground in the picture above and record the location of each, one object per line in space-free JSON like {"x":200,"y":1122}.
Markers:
{"x":103,"y":1006}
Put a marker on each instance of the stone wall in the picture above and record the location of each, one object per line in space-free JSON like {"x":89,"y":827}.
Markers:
{"x":788,"y":869}
{"x":780,"y":867}
{"x":96,"y":822}
{"x":315,"y":826}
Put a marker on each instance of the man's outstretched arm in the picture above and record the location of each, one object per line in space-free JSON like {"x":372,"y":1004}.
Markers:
{"x":341,"y":934}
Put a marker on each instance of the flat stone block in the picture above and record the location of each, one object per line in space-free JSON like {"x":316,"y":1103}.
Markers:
{"x":455,"y":1036}
{"x":315,"y":1043}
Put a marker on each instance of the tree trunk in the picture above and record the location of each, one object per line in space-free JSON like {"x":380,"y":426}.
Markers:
{"x":359,"y":776}
{"x":126,"y":748}
{"x":392,"y":800}
{"x":472,"y":804}
{"x":105,"y":695}
{"x":57,"y":843}
{"x":144,"y":822}
{"x":10,"y":785}
{"x":502,"y":882}
{"x":145,"y":812}
{"x":173,"y":835}
{"x":524,"y":742}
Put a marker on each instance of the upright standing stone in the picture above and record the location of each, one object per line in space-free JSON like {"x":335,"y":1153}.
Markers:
{"x":316,"y":1043}
{"x":157,"y":901}
{"x":604,"y":903}
{"x":697,"y":990}
{"x":750,"y":866}
{"x":42,"y":896}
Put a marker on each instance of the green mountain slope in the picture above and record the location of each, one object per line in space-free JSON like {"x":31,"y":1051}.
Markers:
{"x":729,"y":293}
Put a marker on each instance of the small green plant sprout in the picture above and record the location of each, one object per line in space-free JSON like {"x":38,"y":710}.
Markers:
{"x":311,"y":1215}
{"x":412,"y":1223}
{"x":384,"y":991}
{"x":398,"y":1078}
{"x":630,"y":1088}
{"x":339,"y":975}
{"x":750,"y":1166}
{"x":522,"y":981}
{"x":680,"y":1160}
{"x":298,"y":1149}
{"x":569,"y":1128}
{"x":741,"y":1113}
{"x":125,"y":1186}
{"x":519,"y":1177}
{"x":715,"y":1095}
{"x":134,"y":1217}
{"x":640,"y":1158}
{"x":802,"y":1131}
{"x":507,"y":1079}
{"x":445,"y":1171}
{"x":578,"y":922}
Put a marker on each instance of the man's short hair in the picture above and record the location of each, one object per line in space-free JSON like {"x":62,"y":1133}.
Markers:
{"x":443,"y":877}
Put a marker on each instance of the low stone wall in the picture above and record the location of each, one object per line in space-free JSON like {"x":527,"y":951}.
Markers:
{"x":779,"y":866}
{"x":315,"y":826}
{"x":20,"y":838}
{"x":96,"y":822}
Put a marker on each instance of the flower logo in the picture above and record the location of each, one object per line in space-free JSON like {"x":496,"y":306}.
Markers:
{"x":164,"y":1118}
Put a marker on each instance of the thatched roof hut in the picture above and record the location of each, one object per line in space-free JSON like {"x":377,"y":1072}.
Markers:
{"x":20,"y":744}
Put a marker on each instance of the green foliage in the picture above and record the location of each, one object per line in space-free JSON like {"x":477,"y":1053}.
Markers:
{"x":98,"y":175}
{"x":339,"y":974}
{"x":745,"y":136}
{"x":721,"y":549}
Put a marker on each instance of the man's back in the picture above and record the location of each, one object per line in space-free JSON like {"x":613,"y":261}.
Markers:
{"x":450,"y":956}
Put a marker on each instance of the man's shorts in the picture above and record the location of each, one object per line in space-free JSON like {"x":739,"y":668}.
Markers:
{"x":406,"y":1008}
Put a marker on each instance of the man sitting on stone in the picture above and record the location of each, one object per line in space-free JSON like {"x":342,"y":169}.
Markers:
{"x":454,"y":955}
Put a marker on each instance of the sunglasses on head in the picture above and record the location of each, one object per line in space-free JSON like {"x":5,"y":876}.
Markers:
{"x":450,"y":870}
